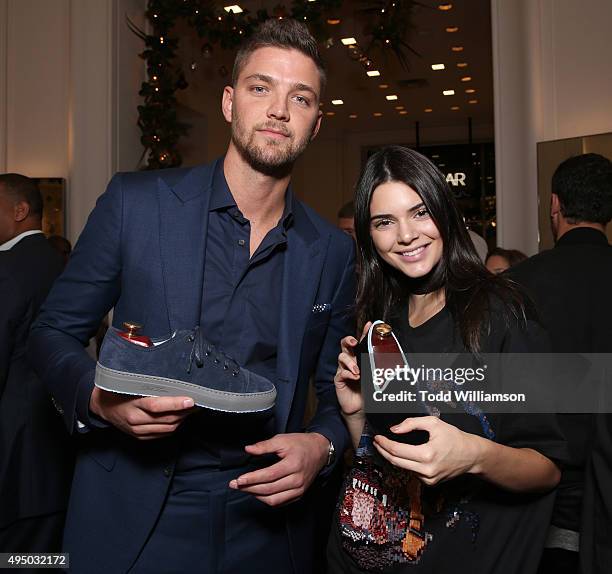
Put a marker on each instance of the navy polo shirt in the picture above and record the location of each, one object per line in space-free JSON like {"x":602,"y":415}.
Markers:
{"x":241,"y":294}
{"x":241,"y":316}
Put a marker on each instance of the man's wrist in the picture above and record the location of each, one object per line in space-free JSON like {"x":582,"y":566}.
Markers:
{"x":327,"y":449}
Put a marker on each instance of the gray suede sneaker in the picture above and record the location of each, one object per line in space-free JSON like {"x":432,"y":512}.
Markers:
{"x":184,"y":365}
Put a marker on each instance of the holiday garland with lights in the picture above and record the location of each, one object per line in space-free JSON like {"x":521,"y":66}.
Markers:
{"x":389,"y":24}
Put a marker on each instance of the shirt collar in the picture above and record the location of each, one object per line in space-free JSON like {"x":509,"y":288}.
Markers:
{"x":221,"y":197}
{"x":12,"y":242}
{"x":582,"y":235}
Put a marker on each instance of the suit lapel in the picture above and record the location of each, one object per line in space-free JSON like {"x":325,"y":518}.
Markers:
{"x":183,"y":211}
{"x":302,"y":268}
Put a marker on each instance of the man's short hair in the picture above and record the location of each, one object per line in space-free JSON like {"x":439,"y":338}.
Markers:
{"x":584,"y":186}
{"x":286,"y":33}
{"x":21,"y":188}
{"x":347,"y":211}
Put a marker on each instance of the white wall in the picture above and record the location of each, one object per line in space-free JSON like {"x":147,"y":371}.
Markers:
{"x":552,"y":80}
{"x":69,"y":77}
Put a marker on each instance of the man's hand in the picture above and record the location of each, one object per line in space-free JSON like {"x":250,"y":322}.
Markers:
{"x":144,"y":418}
{"x":302,"y":456}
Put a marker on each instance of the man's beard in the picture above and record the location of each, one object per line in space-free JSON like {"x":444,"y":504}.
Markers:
{"x":274,"y":158}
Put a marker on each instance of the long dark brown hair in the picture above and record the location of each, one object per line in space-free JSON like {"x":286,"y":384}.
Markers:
{"x":467,"y":284}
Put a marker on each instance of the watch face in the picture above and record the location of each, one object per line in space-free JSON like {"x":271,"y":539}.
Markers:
{"x":331,"y":453}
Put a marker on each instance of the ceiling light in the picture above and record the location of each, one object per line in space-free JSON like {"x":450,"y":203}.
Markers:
{"x":373,"y":73}
{"x":457,"y":48}
{"x":466,"y":79}
{"x":399,"y":107}
{"x":449,"y":92}
{"x":333,"y":21}
{"x":353,"y":116}
{"x":348,"y":41}
{"x":454,"y":108}
{"x":337,"y":102}
{"x":437,"y":66}
{"x":452,"y":29}
{"x":383,"y":86}
{"x":444,"y":7}
{"x":403,"y":113}
{"x":234,"y":8}
{"x":473,"y":102}
{"x":330,"y":113}
{"x":428,"y":110}
{"x":377,"y":114}
{"x":391,"y":97}
{"x":462,"y":65}
{"x":470,"y":91}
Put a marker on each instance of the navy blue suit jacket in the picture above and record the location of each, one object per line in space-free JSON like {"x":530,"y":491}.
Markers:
{"x":142,"y":252}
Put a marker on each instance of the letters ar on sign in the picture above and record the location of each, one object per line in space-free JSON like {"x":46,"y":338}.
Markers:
{"x":456,"y":179}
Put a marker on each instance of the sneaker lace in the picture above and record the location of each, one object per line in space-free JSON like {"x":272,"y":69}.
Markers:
{"x":202,"y":348}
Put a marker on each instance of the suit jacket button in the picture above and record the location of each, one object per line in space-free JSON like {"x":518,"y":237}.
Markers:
{"x":167,"y":471}
{"x":58,"y":408}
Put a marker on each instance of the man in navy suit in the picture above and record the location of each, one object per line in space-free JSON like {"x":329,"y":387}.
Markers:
{"x":161,"y":486}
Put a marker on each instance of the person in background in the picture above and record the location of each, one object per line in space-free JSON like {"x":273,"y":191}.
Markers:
{"x":571,"y":286}
{"x":499,"y":259}
{"x":36,"y":454}
{"x":61,"y":245}
{"x":346,"y":218}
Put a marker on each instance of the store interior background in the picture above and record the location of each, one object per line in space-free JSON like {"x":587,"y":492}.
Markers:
{"x":70,"y":75}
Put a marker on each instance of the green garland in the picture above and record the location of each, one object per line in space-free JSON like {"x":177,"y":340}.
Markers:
{"x":390,"y":21}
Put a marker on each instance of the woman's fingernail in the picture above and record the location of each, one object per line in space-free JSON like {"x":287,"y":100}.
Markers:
{"x":188,"y":403}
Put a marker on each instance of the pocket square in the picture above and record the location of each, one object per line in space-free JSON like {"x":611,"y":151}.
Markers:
{"x":320,"y":307}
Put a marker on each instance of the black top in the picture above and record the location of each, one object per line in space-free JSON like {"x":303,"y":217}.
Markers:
{"x":570,"y":285}
{"x":388,"y":521}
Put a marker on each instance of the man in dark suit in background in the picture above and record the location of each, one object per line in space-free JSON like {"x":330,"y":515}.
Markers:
{"x":571,"y":286}
{"x":226,"y":247}
{"x":35,"y":450}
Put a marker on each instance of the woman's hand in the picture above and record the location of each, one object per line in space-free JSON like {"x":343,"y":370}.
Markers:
{"x":451,"y":452}
{"x":448,"y":453}
{"x":347,"y":377}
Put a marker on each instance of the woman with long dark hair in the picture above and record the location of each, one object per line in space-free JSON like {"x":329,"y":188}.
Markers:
{"x":476,"y":496}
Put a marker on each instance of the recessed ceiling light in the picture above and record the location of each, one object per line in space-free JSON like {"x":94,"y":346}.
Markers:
{"x":473,"y":102}
{"x":233,"y":8}
{"x":462,"y":65}
{"x":353,"y":116}
{"x":428,"y":110}
{"x":377,"y":114}
{"x":337,"y":102}
{"x":452,"y":29}
{"x":437,"y":66}
{"x":444,"y":7}
{"x":373,"y":73}
{"x":399,"y":107}
{"x":391,"y":97}
{"x":457,"y":48}
{"x":403,"y":112}
{"x":348,"y":41}
{"x":330,"y":113}
{"x":383,"y":86}
{"x":454,"y":108}
{"x":470,"y":91}
{"x":466,"y":79}
{"x":449,"y":92}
